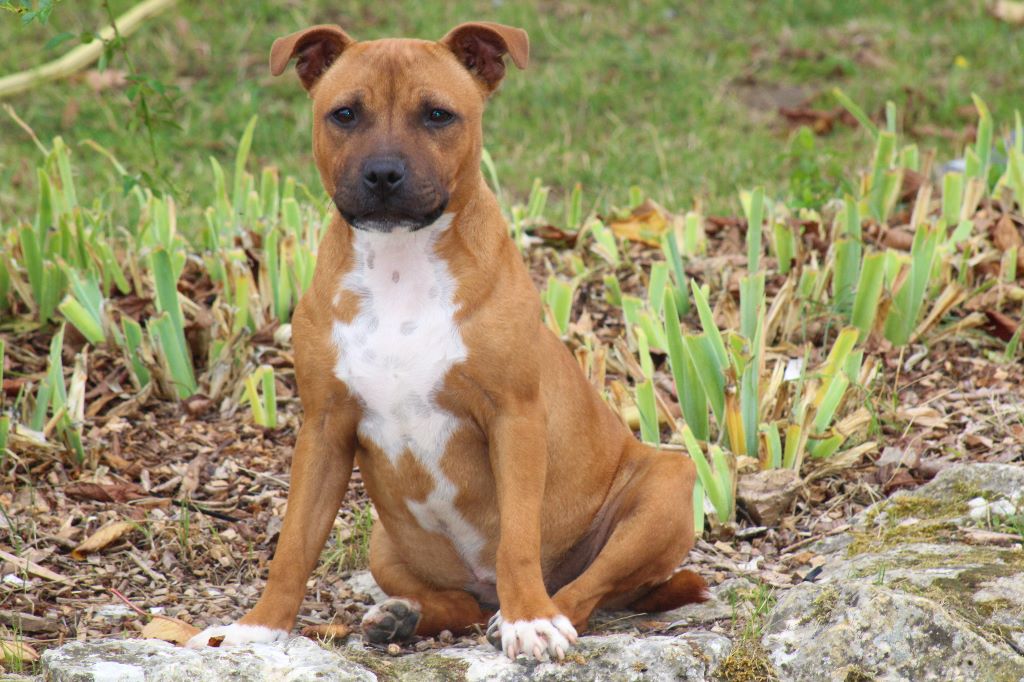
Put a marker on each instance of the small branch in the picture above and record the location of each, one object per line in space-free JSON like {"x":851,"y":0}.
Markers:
{"x":128,"y":603}
{"x":83,"y":55}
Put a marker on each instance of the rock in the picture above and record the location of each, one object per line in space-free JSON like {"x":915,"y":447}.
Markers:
{"x":362,"y":582}
{"x":767,"y":495}
{"x":991,"y":479}
{"x":903,"y":597}
{"x":916,"y":590}
{"x":691,"y":656}
{"x":609,"y":657}
{"x":826,"y":632}
{"x":705,"y":614}
{"x":147,"y":660}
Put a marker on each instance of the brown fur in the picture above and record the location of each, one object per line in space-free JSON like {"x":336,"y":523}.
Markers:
{"x":544,"y":470}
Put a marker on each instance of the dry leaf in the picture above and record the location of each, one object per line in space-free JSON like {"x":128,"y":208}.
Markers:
{"x":327,"y":631}
{"x":104,"y":536}
{"x":169,"y":630}
{"x":17,"y":652}
{"x":1005,"y":236}
{"x":1002,"y":326}
{"x":923,"y":415}
{"x":819,"y":120}
{"x":645,"y":224}
{"x":1010,"y":11}
{"x":898,"y":238}
{"x":114,"y":492}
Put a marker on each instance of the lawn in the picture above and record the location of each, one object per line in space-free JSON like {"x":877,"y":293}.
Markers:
{"x":756,"y":270}
{"x":680,"y":99}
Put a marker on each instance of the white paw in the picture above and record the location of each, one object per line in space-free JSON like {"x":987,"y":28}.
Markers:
{"x":236,"y":634}
{"x":540,"y":638}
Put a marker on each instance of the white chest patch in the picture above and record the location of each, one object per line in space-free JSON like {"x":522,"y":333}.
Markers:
{"x":394,"y":356}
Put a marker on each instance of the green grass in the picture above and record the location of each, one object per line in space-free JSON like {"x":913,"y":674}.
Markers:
{"x":350,"y":549}
{"x":677,"y":100}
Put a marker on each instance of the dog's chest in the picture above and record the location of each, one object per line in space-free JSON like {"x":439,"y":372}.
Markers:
{"x":395,"y":353}
{"x":394,"y":356}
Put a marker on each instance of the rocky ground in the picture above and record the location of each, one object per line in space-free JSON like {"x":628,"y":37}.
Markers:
{"x":926,"y":585}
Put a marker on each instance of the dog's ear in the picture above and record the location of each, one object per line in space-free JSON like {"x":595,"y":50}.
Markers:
{"x":316,"y":48}
{"x":481,"y":47}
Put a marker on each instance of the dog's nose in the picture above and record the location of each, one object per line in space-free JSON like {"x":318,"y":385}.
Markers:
{"x":383,"y":176}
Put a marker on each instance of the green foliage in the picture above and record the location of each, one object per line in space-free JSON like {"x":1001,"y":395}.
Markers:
{"x":810,"y":171}
{"x":729,"y":395}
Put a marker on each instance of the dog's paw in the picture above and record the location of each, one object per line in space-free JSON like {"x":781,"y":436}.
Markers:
{"x":540,"y":638}
{"x":235,"y":634}
{"x":393,"y":620}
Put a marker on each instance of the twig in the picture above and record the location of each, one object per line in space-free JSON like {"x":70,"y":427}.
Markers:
{"x":275,"y":479}
{"x":820,"y":536}
{"x":146,"y":569}
{"x":208,"y":512}
{"x":83,"y":55}
{"x":24,"y":126}
{"x":133,"y":607}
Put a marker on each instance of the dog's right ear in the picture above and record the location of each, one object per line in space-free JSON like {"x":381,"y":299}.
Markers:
{"x":316,"y":48}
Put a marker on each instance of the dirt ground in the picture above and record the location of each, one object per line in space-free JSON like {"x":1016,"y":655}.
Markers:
{"x":204,"y":491}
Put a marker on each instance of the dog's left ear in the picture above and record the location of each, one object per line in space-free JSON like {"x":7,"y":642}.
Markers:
{"x":316,"y":48}
{"x":481,"y":47}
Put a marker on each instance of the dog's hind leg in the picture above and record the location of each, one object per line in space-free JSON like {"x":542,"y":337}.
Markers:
{"x":414,"y":606}
{"x":652,"y":532}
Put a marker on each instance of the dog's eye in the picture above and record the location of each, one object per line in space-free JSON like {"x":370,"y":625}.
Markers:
{"x":440,"y":117}
{"x":344,"y":116}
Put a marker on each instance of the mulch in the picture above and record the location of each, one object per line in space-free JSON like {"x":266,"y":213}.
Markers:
{"x":204,"y":490}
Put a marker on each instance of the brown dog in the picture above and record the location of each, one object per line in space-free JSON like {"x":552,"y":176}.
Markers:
{"x":499,"y":475}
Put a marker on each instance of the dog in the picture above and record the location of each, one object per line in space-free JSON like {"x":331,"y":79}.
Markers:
{"x":507,"y":491}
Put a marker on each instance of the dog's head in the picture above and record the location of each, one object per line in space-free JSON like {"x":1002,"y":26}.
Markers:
{"x":397,"y":122}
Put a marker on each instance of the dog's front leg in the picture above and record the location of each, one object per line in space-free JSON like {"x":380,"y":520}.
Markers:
{"x":528,"y":621}
{"x":321,"y":468}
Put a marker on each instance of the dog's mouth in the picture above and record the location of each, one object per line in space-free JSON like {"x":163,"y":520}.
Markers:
{"x":385,"y":220}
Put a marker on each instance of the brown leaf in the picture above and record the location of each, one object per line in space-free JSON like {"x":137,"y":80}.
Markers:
{"x":900,"y":480}
{"x":1006,"y":236}
{"x":819,"y":120}
{"x":912,"y":182}
{"x":1002,"y":326}
{"x":17,"y":652}
{"x":1010,"y":11}
{"x":327,"y":631}
{"x":169,"y":630}
{"x":922,"y":415}
{"x":106,"y":535}
{"x":114,"y":492}
{"x":645,"y":224}
{"x":197,"y":405}
{"x":556,"y":236}
{"x":898,"y":238}
{"x":190,"y":481}
{"x":12,"y":386}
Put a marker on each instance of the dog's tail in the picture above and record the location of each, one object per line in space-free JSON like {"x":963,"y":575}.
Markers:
{"x":684,"y":587}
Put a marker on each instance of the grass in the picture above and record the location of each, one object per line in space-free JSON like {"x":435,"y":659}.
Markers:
{"x":748,"y":661}
{"x":350,"y":548}
{"x":677,"y":100}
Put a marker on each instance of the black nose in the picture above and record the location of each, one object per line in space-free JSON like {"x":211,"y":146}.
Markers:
{"x":383,"y":176}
